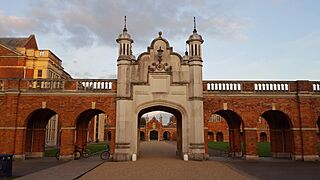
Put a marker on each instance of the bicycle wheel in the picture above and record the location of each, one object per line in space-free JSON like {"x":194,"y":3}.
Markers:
{"x":77,"y":155}
{"x":58,"y":155}
{"x":86,"y":153}
{"x":105,"y":155}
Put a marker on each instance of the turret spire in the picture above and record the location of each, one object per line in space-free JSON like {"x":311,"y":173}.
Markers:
{"x":125,"y":24}
{"x":194,"y":25}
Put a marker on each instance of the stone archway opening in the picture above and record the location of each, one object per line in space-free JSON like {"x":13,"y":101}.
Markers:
{"x":281,"y":137}
{"x":36,"y":132}
{"x":90,"y":127}
{"x":228,"y":127}
{"x":161,"y":127}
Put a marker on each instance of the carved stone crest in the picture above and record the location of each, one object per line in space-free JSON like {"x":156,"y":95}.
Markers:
{"x":159,"y":66}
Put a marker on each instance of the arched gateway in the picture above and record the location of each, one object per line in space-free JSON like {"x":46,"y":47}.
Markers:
{"x":160,"y":78}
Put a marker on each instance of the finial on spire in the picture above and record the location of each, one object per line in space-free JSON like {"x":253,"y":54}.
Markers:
{"x":125,"y":24}
{"x":194,"y":25}
{"x":186,"y":53}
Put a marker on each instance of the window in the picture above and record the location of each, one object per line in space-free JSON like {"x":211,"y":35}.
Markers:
{"x":41,"y":53}
{"x":39,"y":73}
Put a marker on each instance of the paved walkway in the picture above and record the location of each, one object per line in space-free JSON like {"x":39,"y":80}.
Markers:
{"x":158,"y":161}
{"x":66,"y":170}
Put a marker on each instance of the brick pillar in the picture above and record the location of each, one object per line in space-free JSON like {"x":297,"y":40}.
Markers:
{"x":235,"y":142}
{"x":251,"y":146}
{"x":67,"y":143}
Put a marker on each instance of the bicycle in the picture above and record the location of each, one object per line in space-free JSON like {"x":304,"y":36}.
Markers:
{"x":78,"y":153}
{"x":105,"y":155}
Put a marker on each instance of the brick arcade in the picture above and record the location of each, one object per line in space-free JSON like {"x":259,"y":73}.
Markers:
{"x":161,"y":79}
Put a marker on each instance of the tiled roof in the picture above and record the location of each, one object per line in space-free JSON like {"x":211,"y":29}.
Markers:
{"x":14,"y":42}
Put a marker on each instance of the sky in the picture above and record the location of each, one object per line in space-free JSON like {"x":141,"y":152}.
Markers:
{"x":243,"y":39}
{"x":157,"y":114}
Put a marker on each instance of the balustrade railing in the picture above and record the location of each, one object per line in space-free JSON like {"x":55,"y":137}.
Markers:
{"x":46,"y":84}
{"x":316,"y":86}
{"x":253,"y":86}
{"x":271,"y":86}
{"x":223,"y":86}
{"x":93,"y":84}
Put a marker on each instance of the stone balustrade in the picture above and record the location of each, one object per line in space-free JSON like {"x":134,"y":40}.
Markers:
{"x":316,"y":86}
{"x":223,"y":86}
{"x":94,"y":84}
{"x":271,"y":87}
{"x":46,"y":84}
{"x":58,"y":85}
{"x":260,"y":86}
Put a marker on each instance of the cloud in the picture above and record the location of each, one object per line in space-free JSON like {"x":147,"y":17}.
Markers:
{"x":83,"y":23}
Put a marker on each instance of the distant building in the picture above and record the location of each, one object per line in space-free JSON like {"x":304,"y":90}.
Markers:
{"x":21,"y":58}
{"x":155,"y":130}
{"x":218,"y":129}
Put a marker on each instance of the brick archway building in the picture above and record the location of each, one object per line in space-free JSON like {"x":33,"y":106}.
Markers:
{"x":159,"y":79}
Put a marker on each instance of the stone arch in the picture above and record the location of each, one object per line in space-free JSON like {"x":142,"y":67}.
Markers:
{"x":281,"y":137}
{"x":165,"y":106}
{"x":219,"y":137}
{"x":210,"y":136}
{"x":263,"y":137}
{"x":36,"y":123}
{"x":166,"y":136}
{"x":235,"y":125}
{"x":82,"y":122}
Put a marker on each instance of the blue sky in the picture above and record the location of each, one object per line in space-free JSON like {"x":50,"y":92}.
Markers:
{"x":244,"y":39}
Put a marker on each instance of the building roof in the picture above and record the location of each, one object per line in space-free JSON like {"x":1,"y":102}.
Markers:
{"x":18,"y":42}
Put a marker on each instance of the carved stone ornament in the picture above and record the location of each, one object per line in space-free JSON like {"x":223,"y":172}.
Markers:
{"x":159,"y":66}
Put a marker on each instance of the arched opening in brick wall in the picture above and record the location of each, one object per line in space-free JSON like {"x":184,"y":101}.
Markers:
{"x":210,"y":136}
{"x":153,"y":135}
{"x":36,"y":132}
{"x":87,"y":125}
{"x":263,"y":137}
{"x":281,"y":137}
{"x":166,"y":136}
{"x":229,"y":127}
{"x":169,"y":131}
{"x":219,"y":137}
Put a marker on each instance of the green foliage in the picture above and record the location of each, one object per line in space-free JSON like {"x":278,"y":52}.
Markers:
{"x":221,"y":146}
{"x":93,"y":148}
{"x":51,"y":152}
{"x":263,"y":147}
